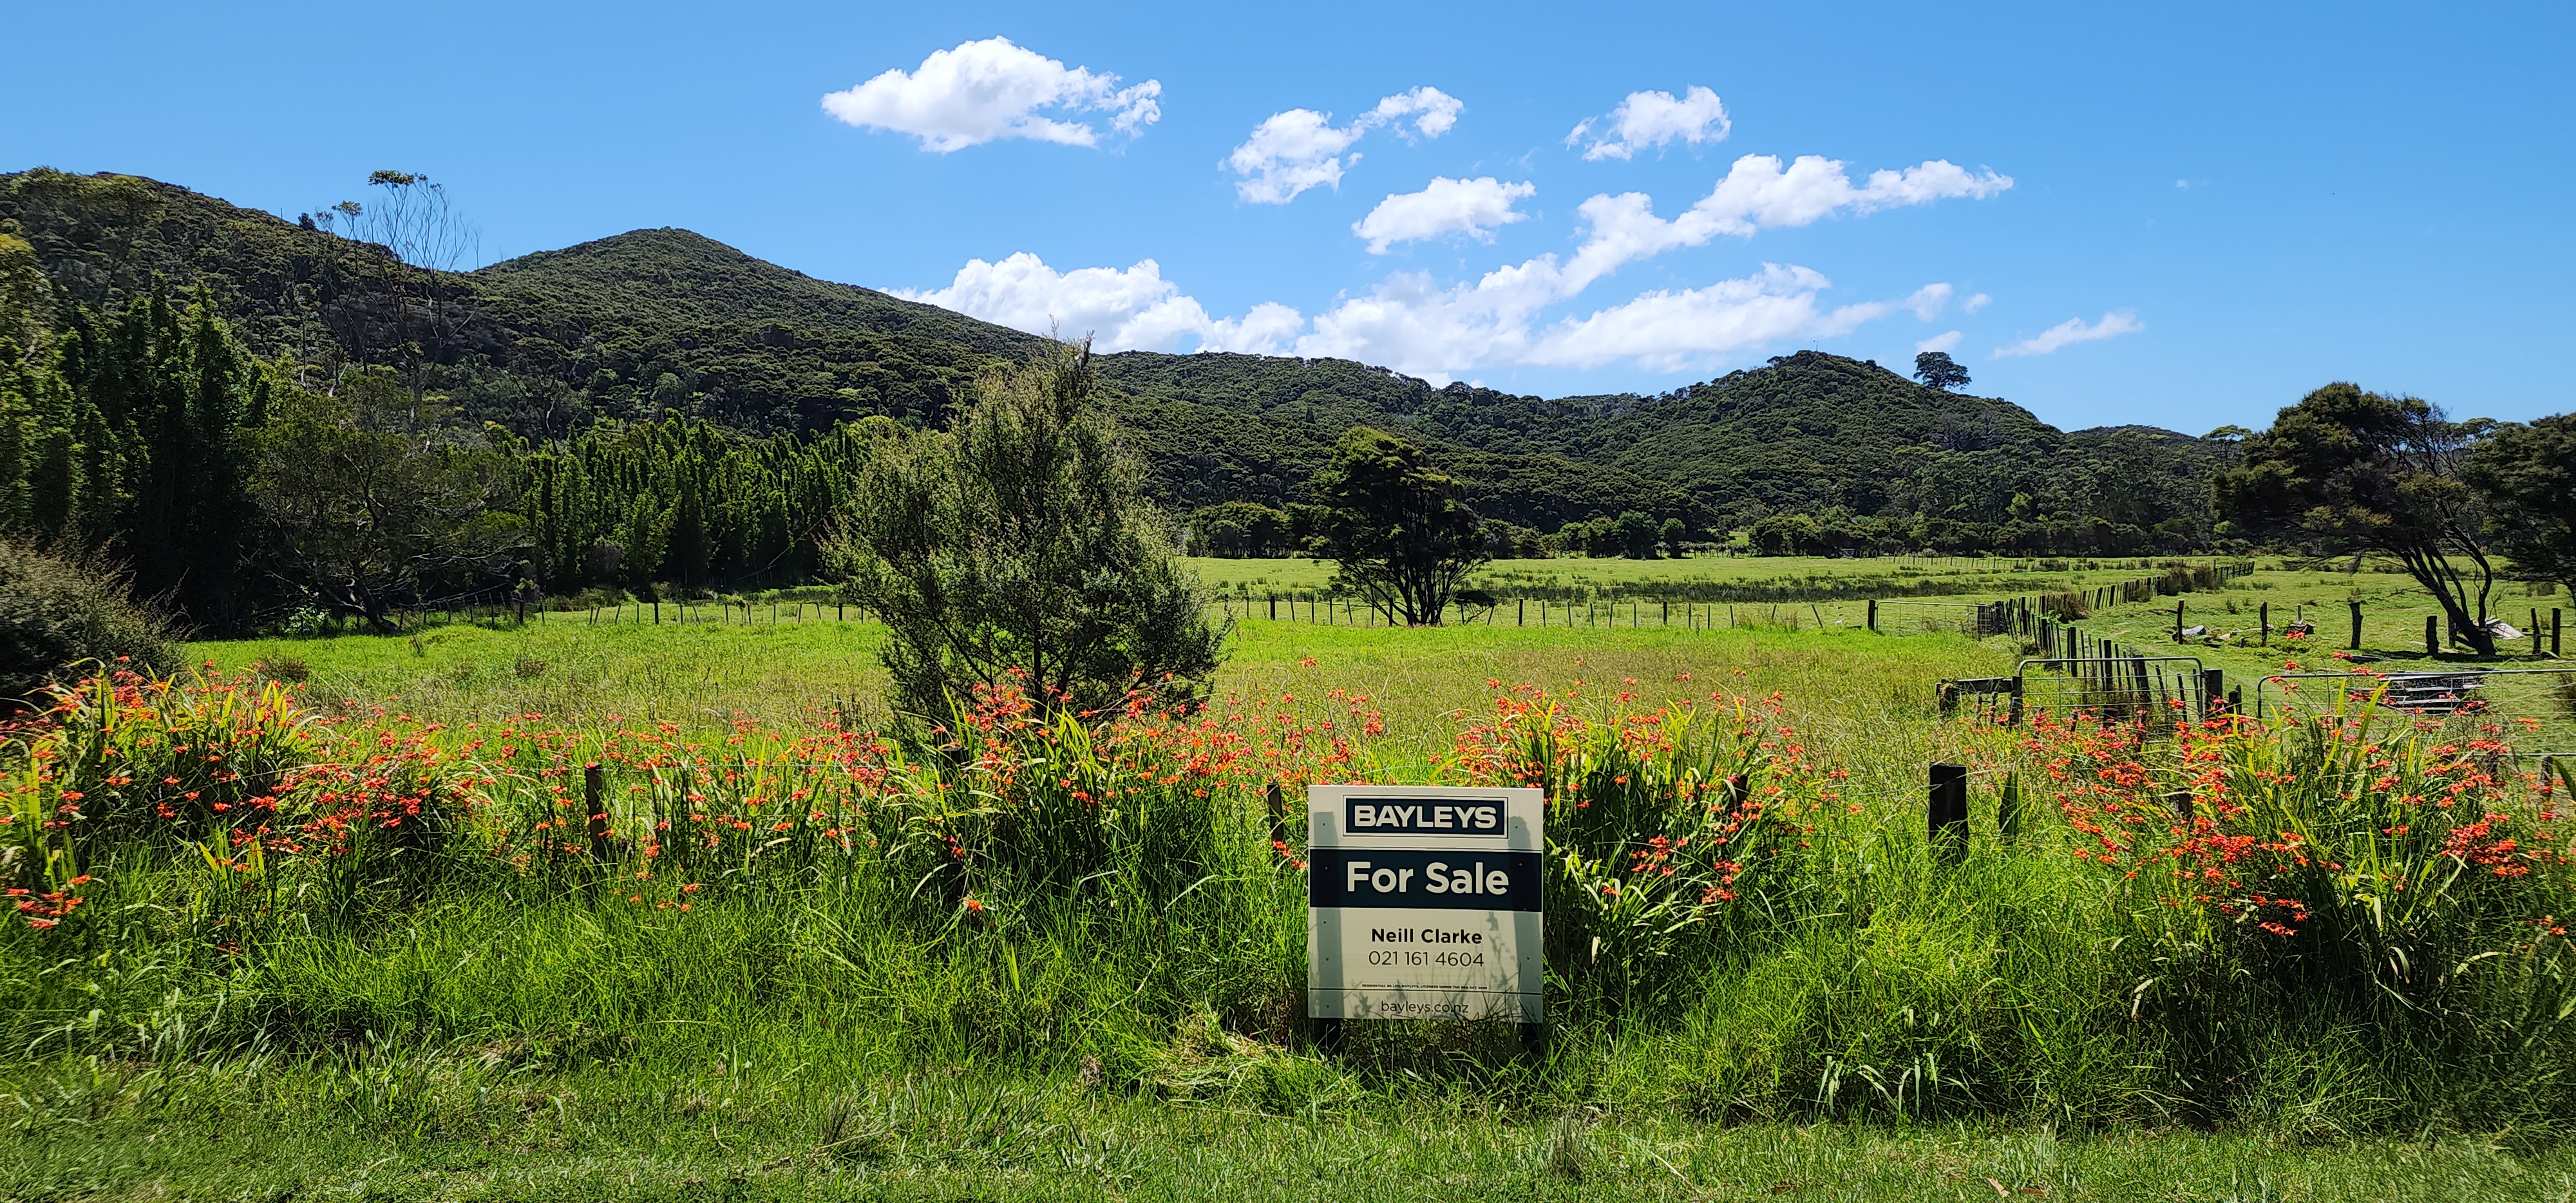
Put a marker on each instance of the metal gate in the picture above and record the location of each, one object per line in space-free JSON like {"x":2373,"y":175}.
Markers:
{"x":2134,"y":689}
{"x":1975,"y":619}
{"x":2536,"y":707}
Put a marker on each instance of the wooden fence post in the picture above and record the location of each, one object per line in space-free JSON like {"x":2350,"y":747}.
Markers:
{"x":2177,"y":622}
{"x":1948,"y":812}
{"x":2553,"y":630}
{"x":2213,"y":689}
{"x":2264,"y":613}
{"x":594,"y":794}
{"x":2356,"y":625}
{"x":1873,"y":613}
{"x":2432,"y":636}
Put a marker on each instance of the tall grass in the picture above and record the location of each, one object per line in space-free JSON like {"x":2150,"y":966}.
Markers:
{"x":1747,"y":916}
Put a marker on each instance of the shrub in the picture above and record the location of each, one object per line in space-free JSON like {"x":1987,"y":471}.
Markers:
{"x":55,"y":613}
{"x":1021,"y":539}
{"x":290,"y":669}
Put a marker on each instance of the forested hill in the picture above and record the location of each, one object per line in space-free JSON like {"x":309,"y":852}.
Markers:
{"x":656,"y":322}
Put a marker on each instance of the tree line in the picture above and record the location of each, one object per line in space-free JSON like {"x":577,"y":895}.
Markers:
{"x":239,"y":492}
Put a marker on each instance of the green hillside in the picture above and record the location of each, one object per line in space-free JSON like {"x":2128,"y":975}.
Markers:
{"x":661,"y":322}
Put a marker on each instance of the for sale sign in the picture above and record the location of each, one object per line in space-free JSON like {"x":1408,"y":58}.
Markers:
{"x":1423,"y":903}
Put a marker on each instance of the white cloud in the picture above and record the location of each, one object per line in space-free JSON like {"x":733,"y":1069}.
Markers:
{"x":1415,"y":324}
{"x":1298,"y":149}
{"x":1670,"y":330}
{"x":1289,"y":153}
{"x":1757,"y":193}
{"x":1652,"y":120}
{"x":1943,"y":342}
{"x":2072,"y":331}
{"x":993,"y":89}
{"x":1411,"y":324}
{"x":1434,"y":112}
{"x":1474,"y":207}
{"x":1266,"y":330}
{"x":1927,"y":301}
{"x":1975,"y":303}
{"x":1127,"y":309}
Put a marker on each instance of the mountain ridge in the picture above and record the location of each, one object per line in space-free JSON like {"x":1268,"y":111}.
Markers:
{"x":666,"y":320}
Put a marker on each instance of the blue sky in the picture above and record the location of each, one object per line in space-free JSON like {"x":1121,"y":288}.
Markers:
{"x":2213,"y":208}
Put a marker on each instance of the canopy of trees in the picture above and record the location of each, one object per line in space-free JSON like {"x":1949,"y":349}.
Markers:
{"x":2352,"y":472}
{"x":2528,"y":476}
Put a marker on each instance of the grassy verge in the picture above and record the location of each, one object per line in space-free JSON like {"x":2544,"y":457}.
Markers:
{"x":360,"y":1131}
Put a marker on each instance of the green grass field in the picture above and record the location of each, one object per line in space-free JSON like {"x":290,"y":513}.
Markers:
{"x":1923,"y":1034}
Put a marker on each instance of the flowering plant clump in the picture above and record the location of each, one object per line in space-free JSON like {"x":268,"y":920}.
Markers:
{"x":1007,"y":800}
{"x":122,"y":759}
{"x":1667,"y":829}
{"x":2386,"y":854}
{"x":227,"y":772}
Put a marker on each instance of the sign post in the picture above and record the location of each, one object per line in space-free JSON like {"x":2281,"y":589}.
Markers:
{"x":1423,"y":902}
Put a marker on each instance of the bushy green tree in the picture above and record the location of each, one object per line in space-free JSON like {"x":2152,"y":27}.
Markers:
{"x":2349,"y":472}
{"x":1395,"y":527}
{"x":2527,"y":474}
{"x":361,"y":517}
{"x":1239,"y":529}
{"x":1015,"y":550}
{"x":1937,"y":370}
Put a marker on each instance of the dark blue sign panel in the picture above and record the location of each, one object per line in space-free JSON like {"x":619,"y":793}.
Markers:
{"x":1453,"y":881}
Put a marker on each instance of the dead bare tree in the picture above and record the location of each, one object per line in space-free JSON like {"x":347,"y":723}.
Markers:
{"x":413,"y":221}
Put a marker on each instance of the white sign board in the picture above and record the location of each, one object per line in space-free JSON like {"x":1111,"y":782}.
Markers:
{"x":1423,"y":903}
